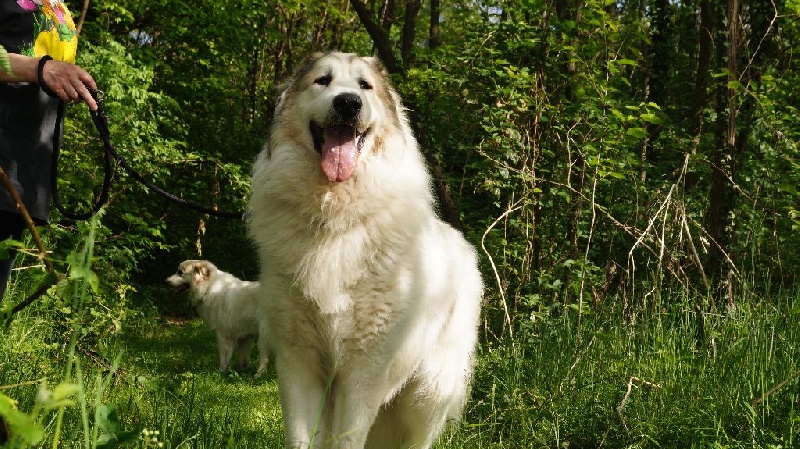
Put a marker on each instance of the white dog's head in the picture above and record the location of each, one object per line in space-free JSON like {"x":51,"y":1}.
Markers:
{"x":191,"y":275}
{"x":340,"y":104}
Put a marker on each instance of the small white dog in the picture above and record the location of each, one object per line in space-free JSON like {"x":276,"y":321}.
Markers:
{"x":227,"y":304}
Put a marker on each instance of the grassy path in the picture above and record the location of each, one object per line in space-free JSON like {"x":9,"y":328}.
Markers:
{"x":181,"y":394}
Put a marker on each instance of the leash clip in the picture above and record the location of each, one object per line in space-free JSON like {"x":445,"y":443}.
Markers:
{"x":98,"y":96}
{"x":99,"y":116}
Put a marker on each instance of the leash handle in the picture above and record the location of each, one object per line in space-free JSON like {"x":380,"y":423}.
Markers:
{"x":108,"y":169}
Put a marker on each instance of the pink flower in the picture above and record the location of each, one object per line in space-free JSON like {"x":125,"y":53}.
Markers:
{"x":57,"y":9}
{"x":27,"y":5}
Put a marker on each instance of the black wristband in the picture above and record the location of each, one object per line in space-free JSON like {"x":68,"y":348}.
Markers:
{"x":40,"y":75}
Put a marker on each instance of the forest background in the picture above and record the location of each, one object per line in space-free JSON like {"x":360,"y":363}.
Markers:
{"x":629,"y":172}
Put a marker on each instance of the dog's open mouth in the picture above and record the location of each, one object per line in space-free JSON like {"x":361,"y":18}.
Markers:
{"x":339,"y":146}
{"x":180,"y":289}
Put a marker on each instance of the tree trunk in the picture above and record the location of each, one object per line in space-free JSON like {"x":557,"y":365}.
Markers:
{"x":699,"y":97}
{"x":571,"y":10}
{"x":82,"y":18}
{"x":409,"y":30}
{"x":722,"y":194}
{"x":387,"y":16}
{"x":660,"y":51}
{"x":379,"y":38}
{"x":433,"y":39}
{"x":706,"y":32}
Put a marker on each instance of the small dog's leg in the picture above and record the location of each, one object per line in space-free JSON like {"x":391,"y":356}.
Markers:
{"x":263,"y":354}
{"x":226,"y":345}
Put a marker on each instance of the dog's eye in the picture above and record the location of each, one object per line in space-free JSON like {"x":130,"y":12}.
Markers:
{"x":180,"y":272}
{"x":324,"y":80}
{"x":364,"y":84}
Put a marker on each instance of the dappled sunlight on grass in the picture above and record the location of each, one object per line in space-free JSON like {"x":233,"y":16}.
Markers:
{"x":181,"y":391}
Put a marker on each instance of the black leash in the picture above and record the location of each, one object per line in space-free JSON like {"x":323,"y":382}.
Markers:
{"x":110,"y":154}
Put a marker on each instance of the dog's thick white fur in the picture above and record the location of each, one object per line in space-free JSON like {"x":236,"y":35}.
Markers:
{"x":228,"y":305}
{"x":371,"y":302}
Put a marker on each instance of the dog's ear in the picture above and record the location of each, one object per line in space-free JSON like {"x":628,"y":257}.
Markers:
{"x":284,"y":87}
{"x":377,"y":65}
{"x":201,"y":271}
{"x":305,"y":67}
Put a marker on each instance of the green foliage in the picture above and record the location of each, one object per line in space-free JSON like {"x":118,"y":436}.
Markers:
{"x":568,"y":145}
{"x":28,"y":429}
{"x":614,"y":381}
{"x":110,"y":435}
{"x":5,"y":64}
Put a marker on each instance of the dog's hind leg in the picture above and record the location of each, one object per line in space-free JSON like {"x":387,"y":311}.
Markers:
{"x":416,"y":416}
{"x":413,"y":419}
{"x":243,"y":351}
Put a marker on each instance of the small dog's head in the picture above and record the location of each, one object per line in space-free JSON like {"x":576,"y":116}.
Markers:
{"x":191,"y":274}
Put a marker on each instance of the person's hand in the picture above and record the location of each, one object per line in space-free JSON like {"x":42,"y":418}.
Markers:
{"x":69,"y":82}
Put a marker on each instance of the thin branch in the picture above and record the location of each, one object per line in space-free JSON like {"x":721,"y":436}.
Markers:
{"x":694,"y":253}
{"x":28,"y":220}
{"x":652,"y":221}
{"x":769,"y":392}
{"x":760,"y":42}
{"x":79,"y":25}
{"x":586,"y":255}
{"x":505,"y":214}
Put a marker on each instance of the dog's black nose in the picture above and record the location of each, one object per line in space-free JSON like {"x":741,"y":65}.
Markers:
{"x":347,"y":105}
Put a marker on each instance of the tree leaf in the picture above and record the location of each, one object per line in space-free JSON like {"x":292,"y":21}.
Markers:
{"x":22,"y":425}
{"x":5,"y":63}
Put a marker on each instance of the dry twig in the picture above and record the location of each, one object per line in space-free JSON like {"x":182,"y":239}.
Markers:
{"x":631,"y":383}
{"x":777,"y":387}
{"x":53,"y":277}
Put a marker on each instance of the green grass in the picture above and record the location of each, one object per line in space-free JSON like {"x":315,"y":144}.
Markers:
{"x":166,"y":381}
{"x":557,"y":386}
{"x":552,"y":386}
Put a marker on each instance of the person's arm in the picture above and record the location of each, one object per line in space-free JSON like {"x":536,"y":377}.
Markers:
{"x":68,"y":81}
{"x":23,"y":69}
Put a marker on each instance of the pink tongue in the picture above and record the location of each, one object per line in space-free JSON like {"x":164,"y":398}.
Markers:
{"x":339,"y":153}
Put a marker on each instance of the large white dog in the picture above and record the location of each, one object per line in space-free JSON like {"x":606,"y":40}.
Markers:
{"x":371,"y":302}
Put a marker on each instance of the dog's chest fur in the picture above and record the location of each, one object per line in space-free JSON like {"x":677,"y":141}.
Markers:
{"x":356,"y":330}
{"x":348,"y":285}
